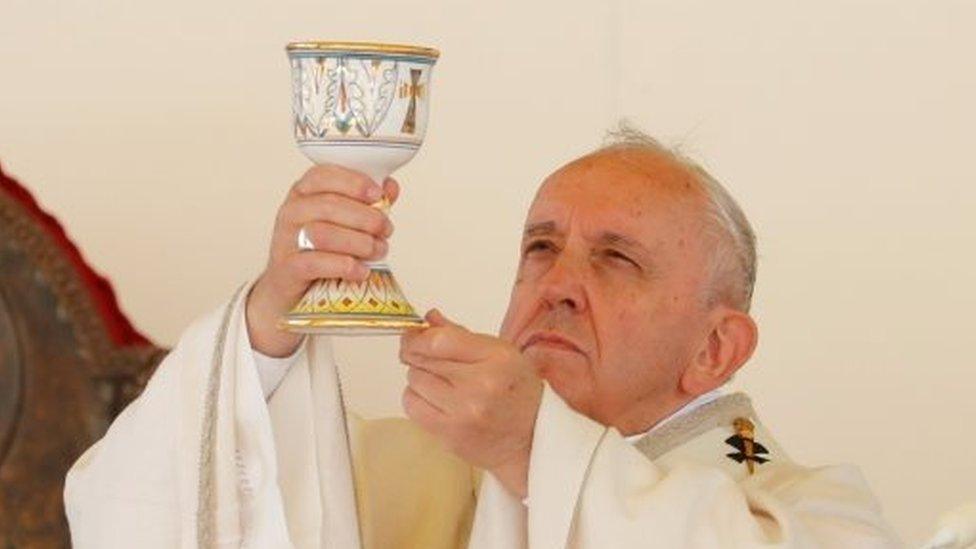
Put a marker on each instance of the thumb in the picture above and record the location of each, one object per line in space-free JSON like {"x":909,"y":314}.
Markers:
{"x":437,"y":319}
{"x":391,"y":189}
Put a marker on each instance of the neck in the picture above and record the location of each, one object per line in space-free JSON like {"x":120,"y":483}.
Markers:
{"x":648,"y":412}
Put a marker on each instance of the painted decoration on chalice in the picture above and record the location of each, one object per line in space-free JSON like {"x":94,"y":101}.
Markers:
{"x":363,"y":106}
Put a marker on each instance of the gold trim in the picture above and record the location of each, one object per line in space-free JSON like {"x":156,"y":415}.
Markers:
{"x":747,"y":431}
{"x":298,"y":324}
{"x":363,"y":47}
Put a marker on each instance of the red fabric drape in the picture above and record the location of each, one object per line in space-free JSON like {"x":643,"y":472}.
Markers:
{"x":120,"y":330}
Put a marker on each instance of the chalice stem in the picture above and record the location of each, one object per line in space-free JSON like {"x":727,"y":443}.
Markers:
{"x":375,"y":306}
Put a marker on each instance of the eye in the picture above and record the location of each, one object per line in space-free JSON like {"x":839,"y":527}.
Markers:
{"x":618,"y":256}
{"x":536,"y":246}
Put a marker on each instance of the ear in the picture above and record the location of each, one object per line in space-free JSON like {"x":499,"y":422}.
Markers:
{"x":726,"y":348}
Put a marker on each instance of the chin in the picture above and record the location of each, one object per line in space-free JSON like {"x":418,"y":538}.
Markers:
{"x":573,"y":387}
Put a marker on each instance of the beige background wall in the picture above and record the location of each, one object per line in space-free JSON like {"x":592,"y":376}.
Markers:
{"x":158,"y":132}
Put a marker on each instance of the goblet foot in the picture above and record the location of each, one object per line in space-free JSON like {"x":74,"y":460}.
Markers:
{"x":375,"y":306}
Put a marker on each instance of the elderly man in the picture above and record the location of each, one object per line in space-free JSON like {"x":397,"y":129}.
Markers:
{"x":594,"y":419}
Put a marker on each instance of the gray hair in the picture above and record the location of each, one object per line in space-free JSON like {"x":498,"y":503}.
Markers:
{"x":733,"y":262}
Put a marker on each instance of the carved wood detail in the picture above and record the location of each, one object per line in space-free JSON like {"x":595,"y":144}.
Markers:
{"x":62,"y":378}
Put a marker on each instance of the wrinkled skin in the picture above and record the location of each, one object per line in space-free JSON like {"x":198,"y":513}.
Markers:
{"x":608,"y":307}
{"x":613,"y":261}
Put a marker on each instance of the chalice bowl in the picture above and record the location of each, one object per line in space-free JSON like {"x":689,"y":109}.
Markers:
{"x":362,"y":106}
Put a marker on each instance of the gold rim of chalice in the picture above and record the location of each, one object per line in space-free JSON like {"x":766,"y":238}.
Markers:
{"x":362,"y":47}
{"x":313,"y":323}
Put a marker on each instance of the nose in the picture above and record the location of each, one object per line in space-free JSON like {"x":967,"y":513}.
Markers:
{"x":562,"y":286}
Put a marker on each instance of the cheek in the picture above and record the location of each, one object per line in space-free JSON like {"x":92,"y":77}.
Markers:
{"x":629,"y":329}
{"x":647,"y":344}
{"x":619,"y":311}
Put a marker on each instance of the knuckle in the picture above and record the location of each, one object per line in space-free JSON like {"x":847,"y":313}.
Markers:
{"x":329,"y":204}
{"x":272,"y":279}
{"x":507,"y":353}
{"x":315,"y":233}
{"x":309,"y":268}
{"x":379,"y":248}
{"x":352,"y":267}
{"x":489,"y":387}
{"x":438,"y":342}
{"x":320,"y":171}
{"x":308,"y":183}
{"x":297,"y":267}
{"x":478,"y":414}
{"x":347,"y":264}
{"x":362,"y":187}
{"x":377,"y":222}
{"x":349,"y":244}
{"x":407,"y":402}
{"x":302,"y":186}
{"x":362,"y":178}
{"x":363,"y":245}
{"x":285,"y":212}
{"x":334,"y":239}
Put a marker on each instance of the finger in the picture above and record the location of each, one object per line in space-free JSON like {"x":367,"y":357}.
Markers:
{"x":330,"y":178}
{"x":448,"y":370}
{"x":449,"y":342}
{"x":408,"y":340}
{"x":420,"y":411}
{"x":328,"y":237}
{"x":338,"y":210}
{"x":435,"y":389}
{"x":304,"y":267}
{"x":435,"y":317}
{"x":391,"y":189}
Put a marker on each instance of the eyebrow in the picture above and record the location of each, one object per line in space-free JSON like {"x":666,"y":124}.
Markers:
{"x":539,"y":229}
{"x":623,"y":241}
{"x":607,"y":238}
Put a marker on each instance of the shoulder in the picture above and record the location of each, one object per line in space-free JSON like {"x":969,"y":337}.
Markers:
{"x":726,"y":434}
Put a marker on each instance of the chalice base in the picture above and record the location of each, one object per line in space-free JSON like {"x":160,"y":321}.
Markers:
{"x":375,"y":306}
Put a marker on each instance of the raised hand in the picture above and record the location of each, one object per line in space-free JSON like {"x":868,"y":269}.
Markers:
{"x":333,"y":205}
{"x":474,"y":392}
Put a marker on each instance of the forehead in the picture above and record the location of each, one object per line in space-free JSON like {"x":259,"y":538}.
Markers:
{"x":626,"y":190}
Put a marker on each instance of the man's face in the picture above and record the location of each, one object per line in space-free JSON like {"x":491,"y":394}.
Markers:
{"x":607,"y":302}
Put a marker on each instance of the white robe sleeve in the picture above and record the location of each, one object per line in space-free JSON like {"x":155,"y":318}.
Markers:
{"x":124,"y":490}
{"x":272,"y":370}
{"x":589,"y":488}
{"x":140,"y":485}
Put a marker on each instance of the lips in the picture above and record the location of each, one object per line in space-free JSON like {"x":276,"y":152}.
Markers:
{"x":551,"y":341}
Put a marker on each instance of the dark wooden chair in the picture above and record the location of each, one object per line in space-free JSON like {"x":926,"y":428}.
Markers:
{"x":69,"y":362}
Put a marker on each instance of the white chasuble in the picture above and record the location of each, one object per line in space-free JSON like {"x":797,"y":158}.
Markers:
{"x":200,"y":459}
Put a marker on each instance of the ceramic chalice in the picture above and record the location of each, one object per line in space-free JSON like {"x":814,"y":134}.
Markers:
{"x":363,"y":106}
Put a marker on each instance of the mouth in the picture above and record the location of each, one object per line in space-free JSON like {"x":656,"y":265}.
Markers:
{"x":551,"y":340}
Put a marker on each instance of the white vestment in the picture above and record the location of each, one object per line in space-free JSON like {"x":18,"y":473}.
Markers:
{"x":200,"y":459}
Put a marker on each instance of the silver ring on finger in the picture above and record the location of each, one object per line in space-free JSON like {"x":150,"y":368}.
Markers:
{"x":304,"y":242}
